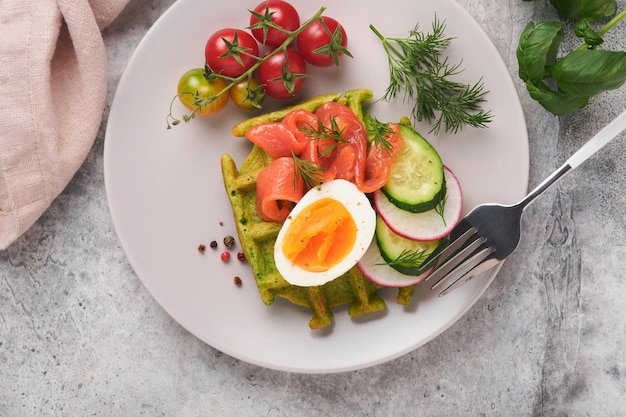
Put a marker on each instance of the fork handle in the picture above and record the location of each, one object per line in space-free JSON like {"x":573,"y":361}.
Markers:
{"x":594,"y":144}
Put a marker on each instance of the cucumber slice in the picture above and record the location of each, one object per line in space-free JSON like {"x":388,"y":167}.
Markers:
{"x":374,"y":268}
{"x":404,"y":255}
{"x":416,"y":182}
{"x":429,"y":225}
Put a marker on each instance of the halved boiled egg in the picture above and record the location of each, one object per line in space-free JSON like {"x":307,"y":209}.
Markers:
{"x":325,"y":235}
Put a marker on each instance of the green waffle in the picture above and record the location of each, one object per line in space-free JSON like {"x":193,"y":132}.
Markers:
{"x":257,"y":237}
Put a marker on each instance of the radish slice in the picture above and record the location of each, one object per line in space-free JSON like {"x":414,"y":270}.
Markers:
{"x":426,"y":226}
{"x":374,"y":267}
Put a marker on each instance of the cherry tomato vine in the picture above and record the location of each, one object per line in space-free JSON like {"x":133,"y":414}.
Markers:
{"x":233,"y":62}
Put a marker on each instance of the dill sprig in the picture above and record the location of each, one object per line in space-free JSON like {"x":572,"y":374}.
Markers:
{"x":377,"y":132}
{"x":440,"y":208}
{"x":418,"y":70}
{"x":410,"y":258}
{"x":311,"y":174}
{"x":322,"y":131}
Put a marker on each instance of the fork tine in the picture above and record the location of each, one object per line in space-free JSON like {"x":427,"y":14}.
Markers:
{"x":439,"y":257}
{"x":484,"y":266}
{"x":449,"y":264}
{"x":467,"y":264}
{"x":456,"y":244}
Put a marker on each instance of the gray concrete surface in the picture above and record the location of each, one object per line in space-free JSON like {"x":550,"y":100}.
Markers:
{"x":80,"y":335}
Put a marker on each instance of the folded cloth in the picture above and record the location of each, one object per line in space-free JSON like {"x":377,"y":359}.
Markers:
{"x":53,"y":84}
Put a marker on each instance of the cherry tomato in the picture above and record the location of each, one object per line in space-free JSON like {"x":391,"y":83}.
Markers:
{"x":247,"y":94}
{"x":279,"y":13}
{"x":231,"y":52}
{"x":199,"y":94}
{"x":283,"y":74}
{"x":323,"y":43}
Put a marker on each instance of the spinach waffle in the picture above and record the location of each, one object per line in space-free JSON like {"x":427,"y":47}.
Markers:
{"x":257,"y":237}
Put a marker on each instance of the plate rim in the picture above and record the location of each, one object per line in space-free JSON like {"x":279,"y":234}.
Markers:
{"x":107,"y":168}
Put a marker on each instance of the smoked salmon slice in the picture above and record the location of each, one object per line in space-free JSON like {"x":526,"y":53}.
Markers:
{"x":278,"y":189}
{"x":332,"y":139}
{"x":276,"y":139}
{"x":337,"y":116}
{"x":380,"y":158}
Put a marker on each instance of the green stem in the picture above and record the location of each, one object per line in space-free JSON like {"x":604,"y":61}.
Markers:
{"x":611,"y":23}
{"x":386,"y":44}
{"x":380,"y":35}
{"x":614,"y":21}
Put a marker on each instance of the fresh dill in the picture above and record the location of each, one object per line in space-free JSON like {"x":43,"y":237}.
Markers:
{"x":410,"y":258}
{"x":419,"y":71}
{"x":322,"y":131}
{"x":377,"y":132}
{"x":440,"y":208}
{"x":311,"y":174}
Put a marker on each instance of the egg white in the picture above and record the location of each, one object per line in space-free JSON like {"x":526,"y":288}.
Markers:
{"x":364,"y":217}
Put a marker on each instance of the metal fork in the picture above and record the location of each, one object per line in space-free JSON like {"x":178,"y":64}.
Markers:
{"x":491,"y":232}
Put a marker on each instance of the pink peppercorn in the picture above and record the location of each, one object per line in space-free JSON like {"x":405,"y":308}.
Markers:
{"x":225,"y":256}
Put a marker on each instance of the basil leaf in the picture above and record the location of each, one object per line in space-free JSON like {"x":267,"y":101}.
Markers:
{"x":556,"y":103}
{"x":584,"y":30}
{"x":585,"y":9}
{"x":589,"y":72}
{"x":537,"y":49}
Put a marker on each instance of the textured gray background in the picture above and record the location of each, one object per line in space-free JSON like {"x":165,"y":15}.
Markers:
{"x":80,"y":335}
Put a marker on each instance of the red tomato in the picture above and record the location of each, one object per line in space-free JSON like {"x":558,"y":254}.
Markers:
{"x":279,"y":13}
{"x":283,"y":74}
{"x":323,"y":43}
{"x":231,"y":52}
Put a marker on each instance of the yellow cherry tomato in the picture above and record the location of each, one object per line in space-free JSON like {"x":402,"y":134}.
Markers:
{"x":247,"y":94}
{"x":201,"y":94}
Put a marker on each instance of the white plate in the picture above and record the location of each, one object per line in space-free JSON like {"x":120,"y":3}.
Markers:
{"x":166,"y":194}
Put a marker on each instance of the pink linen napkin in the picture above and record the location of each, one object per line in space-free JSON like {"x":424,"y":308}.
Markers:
{"x":53,"y":85}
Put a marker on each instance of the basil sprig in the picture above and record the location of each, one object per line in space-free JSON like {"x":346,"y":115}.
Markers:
{"x":563,"y":84}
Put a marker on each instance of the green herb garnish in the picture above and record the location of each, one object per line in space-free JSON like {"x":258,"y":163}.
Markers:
{"x":321,"y":131}
{"x":440,"y":208}
{"x":311,"y":174}
{"x":377,"y":132}
{"x":410,"y":258}
{"x":418,"y":70}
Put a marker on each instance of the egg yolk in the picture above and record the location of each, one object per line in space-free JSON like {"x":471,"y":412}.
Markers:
{"x":320,"y":236}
